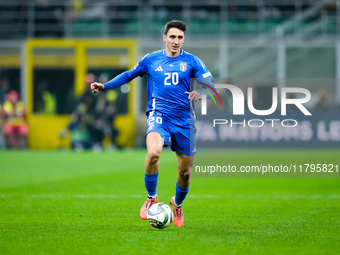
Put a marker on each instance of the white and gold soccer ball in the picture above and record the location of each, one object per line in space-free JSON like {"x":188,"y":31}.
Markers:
{"x":160,"y":215}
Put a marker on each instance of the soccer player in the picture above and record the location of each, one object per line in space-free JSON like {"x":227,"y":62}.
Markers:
{"x":170,"y":111}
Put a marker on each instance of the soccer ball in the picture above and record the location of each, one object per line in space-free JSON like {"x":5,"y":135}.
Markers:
{"x":160,"y":215}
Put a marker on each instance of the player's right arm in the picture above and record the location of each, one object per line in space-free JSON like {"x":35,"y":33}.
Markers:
{"x":138,"y":70}
{"x":96,"y":87}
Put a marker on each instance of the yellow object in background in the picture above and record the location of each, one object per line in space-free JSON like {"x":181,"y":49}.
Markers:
{"x":111,"y":96}
{"x":45,"y":128}
{"x":50,"y":103}
{"x":77,"y":5}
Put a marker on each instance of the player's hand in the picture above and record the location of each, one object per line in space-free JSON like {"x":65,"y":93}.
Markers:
{"x":96,"y":87}
{"x":194,"y":96}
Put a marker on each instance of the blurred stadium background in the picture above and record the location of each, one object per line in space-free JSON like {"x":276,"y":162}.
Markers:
{"x":61,"y":46}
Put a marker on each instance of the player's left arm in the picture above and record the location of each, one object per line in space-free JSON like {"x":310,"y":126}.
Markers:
{"x":203,"y":77}
{"x":194,"y":96}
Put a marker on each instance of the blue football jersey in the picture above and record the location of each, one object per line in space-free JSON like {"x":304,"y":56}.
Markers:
{"x":169,"y":79}
{"x":169,"y":110}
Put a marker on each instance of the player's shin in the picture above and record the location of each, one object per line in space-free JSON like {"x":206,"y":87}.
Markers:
{"x":180,"y":195}
{"x":150,"y":181}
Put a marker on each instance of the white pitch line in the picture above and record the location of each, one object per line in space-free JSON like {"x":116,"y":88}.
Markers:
{"x":193,"y":196}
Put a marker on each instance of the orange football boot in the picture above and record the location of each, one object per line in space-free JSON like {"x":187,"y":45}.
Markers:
{"x":178,"y":213}
{"x":144,"y":210}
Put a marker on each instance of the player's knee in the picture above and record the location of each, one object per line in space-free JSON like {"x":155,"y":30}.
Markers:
{"x":153,"y":156}
{"x":184,"y":172}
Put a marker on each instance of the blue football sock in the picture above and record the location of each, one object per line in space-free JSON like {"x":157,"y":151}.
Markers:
{"x":151,"y":183}
{"x":180,"y":194}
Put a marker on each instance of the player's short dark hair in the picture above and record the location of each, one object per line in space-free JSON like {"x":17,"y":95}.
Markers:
{"x":176,"y":24}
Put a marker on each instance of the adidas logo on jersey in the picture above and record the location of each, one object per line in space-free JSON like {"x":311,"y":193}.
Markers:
{"x":159,"y":68}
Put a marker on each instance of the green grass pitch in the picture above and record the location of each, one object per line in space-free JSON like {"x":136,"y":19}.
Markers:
{"x":55,"y":202}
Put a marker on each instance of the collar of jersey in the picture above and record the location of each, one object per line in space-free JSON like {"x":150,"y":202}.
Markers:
{"x":180,"y":53}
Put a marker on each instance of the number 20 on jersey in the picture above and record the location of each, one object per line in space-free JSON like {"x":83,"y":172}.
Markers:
{"x":171,"y":79}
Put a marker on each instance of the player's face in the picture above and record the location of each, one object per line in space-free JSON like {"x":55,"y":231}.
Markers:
{"x":173,"y":42}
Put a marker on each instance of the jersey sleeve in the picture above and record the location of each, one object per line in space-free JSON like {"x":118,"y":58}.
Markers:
{"x":203,"y":77}
{"x":199,"y":69}
{"x":138,"y":70}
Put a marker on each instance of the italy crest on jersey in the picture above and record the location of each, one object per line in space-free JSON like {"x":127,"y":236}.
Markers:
{"x":183,"y":66}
